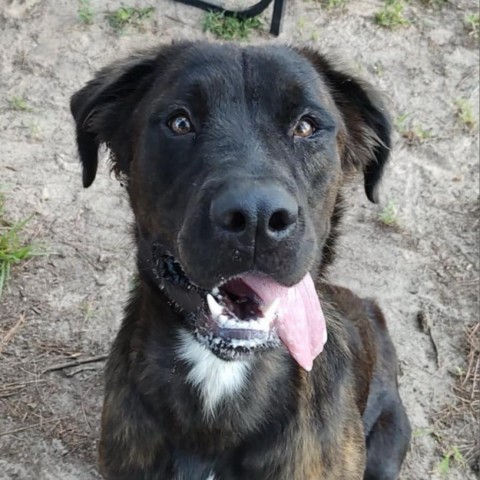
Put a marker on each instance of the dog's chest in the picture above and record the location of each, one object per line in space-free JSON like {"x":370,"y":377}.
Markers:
{"x":215,"y":380}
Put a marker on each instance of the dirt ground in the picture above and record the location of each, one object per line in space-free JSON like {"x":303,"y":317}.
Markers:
{"x":67,"y":306}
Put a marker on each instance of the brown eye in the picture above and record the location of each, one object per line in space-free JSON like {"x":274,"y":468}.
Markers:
{"x":304,"y":128}
{"x":180,"y":124}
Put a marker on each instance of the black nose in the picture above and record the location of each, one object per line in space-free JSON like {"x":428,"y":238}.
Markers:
{"x":250,"y":214}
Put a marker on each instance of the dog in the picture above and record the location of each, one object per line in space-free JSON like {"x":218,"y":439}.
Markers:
{"x":236,"y":359}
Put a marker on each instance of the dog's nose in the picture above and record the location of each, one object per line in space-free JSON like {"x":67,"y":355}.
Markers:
{"x":251,"y":214}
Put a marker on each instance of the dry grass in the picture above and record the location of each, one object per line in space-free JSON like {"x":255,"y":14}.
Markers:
{"x":10,"y":333}
{"x":468,"y":394}
{"x":463,"y":416}
{"x":30,"y":392}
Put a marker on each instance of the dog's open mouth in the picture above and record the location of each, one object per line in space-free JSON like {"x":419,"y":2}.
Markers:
{"x":239,"y":319}
{"x":231,"y":319}
{"x":248,"y":313}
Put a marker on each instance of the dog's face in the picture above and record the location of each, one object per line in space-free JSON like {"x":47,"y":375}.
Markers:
{"x":234,"y":159}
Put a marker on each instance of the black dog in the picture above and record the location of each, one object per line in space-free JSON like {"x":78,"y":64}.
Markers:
{"x":234,"y":159}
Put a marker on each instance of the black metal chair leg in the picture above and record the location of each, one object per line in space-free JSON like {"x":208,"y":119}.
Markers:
{"x":249,"y":12}
{"x":277,"y":17}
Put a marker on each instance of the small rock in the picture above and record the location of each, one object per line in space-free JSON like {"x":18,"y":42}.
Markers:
{"x":424,"y":321}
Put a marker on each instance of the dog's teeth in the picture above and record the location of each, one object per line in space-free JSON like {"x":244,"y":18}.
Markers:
{"x":230,"y":323}
{"x":264,"y":323}
{"x":270,"y":311}
{"x":214,"y":307}
{"x":243,"y":343}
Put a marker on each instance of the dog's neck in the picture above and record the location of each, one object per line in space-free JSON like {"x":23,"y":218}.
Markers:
{"x":205,"y":394}
{"x":215,"y":380}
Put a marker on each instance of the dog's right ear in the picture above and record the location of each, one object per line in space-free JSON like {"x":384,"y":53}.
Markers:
{"x":103,"y":107}
{"x":366,"y":119}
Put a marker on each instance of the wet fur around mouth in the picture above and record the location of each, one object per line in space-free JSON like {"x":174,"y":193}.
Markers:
{"x":177,"y":404}
{"x":226,"y":341}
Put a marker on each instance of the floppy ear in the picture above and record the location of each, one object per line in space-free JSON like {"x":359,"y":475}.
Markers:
{"x":366,"y":120}
{"x":102,"y":110}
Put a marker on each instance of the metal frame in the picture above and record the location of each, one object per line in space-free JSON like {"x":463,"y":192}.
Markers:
{"x":257,"y":9}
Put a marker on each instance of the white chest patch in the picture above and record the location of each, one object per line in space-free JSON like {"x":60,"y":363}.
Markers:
{"x":215,"y":379}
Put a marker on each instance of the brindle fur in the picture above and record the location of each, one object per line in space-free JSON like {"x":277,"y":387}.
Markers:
{"x":343,"y":420}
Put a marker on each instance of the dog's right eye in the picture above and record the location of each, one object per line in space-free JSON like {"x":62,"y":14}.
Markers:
{"x":180,"y":124}
{"x":304,"y":128}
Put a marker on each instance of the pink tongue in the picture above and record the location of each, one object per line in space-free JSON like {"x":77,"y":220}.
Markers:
{"x":300,"y":320}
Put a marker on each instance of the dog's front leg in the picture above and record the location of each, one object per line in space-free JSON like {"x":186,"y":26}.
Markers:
{"x":131,"y":445}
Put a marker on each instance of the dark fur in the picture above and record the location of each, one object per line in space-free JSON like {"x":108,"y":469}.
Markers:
{"x":287,"y":424}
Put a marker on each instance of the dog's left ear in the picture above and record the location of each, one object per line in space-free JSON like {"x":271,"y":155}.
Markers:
{"x":367,"y":122}
{"x":102,"y":108}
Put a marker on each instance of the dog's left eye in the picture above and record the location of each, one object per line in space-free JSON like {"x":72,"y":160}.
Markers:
{"x":304,"y":128}
{"x":180,"y":124}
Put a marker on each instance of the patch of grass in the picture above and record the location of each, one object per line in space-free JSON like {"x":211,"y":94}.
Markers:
{"x":434,"y":3}
{"x":88,"y":311}
{"x":421,"y":432}
{"x":230,"y":28}
{"x":128,"y":16}
{"x":315,"y":36}
{"x":34,"y":131}
{"x":401,"y":122}
{"x":458,"y":372}
{"x":334,"y":4}
{"x":13,"y":248}
{"x":301,"y":23}
{"x":472,"y":23}
{"x":465,"y":114}
{"x":85,"y":12}
{"x":19,"y":104}
{"x":392,"y":15}
{"x":452,"y":456}
{"x":412,"y":132}
{"x":388,"y":216}
{"x":378,"y":68}
{"x":418,"y":134}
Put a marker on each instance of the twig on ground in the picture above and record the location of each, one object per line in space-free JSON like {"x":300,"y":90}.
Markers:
{"x":435,"y":347}
{"x":425,"y":324}
{"x":10,"y":389}
{"x":178,"y":20}
{"x":75,"y":363}
{"x":11,"y":332}
{"x":75,"y":371}
{"x":33,"y":425}
{"x":86,"y":419}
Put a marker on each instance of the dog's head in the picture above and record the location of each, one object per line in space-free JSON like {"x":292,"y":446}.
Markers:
{"x":234,"y":159}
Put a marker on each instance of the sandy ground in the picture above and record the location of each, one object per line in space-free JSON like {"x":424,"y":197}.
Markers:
{"x":67,"y":305}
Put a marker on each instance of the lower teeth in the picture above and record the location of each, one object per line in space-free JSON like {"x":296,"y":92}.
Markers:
{"x":224,"y":321}
{"x":244,"y":343}
{"x":236,"y":342}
